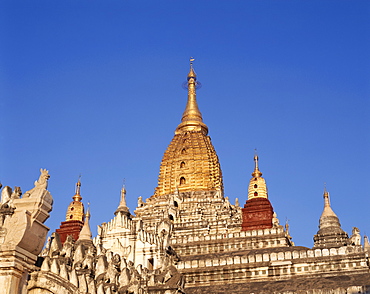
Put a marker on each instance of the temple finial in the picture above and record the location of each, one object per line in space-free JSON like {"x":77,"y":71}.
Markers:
{"x":328,"y":211}
{"x":88,"y":211}
{"x":123,"y":190}
{"x":192,"y":73}
{"x":256,"y":173}
{"x":77,"y":196}
{"x":122,"y":207}
{"x":192,"y":118}
{"x":76,"y":209}
{"x":326,"y":197}
{"x":257,"y":186}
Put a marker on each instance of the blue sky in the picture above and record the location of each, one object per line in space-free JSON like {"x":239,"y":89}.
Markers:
{"x":94,"y":88}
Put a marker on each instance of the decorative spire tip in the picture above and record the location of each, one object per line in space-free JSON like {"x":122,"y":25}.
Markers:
{"x":256,"y":173}
{"x":191,"y":61}
{"x":192,"y":73}
{"x":326,"y":197}
{"x":88,"y":210}
{"x":77,"y":196}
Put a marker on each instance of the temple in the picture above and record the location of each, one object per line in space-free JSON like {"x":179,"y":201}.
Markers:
{"x":185,"y":238}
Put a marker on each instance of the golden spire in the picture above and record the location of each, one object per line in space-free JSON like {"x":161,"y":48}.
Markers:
{"x":257,"y":185}
{"x":75,"y":209}
{"x":256,"y":173}
{"x":192,"y":118}
{"x":192,"y":73}
{"x":77,"y":196}
{"x":190,"y":162}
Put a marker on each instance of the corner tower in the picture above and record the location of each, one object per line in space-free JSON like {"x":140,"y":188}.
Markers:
{"x":257,"y":212}
{"x":74,"y":217}
{"x":330,"y":233}
{"x":190,"y":162}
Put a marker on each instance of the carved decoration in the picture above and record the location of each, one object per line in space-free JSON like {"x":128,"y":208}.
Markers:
{"x":79,"y":268}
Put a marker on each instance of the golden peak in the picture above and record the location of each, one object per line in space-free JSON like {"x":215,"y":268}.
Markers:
{"x":192,"y":73}
{"x":257,"y":185}
{"x":192,"y":118}
{"x":77,"y":196}
{"x":75,"y":209}
{"x":256,"y":173}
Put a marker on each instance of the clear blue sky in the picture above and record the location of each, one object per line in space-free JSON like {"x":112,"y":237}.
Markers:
{"x":94,"y":88}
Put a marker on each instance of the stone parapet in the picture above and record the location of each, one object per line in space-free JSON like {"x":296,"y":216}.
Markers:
{"x":273,"y":232}
{"x":268,"y":265}
{"x":230,"y":242}
{"x":311,"y":284}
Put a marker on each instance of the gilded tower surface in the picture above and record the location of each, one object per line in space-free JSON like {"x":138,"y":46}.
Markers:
{"x":190,"y":162}
{"x":257,"y":185}
{"x":75,"y":209}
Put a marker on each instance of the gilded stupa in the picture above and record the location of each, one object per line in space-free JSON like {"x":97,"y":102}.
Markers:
{"x":257,"y":212}
{"x":74,"y":217}
{"x":75,"y":209}
{"x":190,"y":162}
{"x":257,"y":185}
